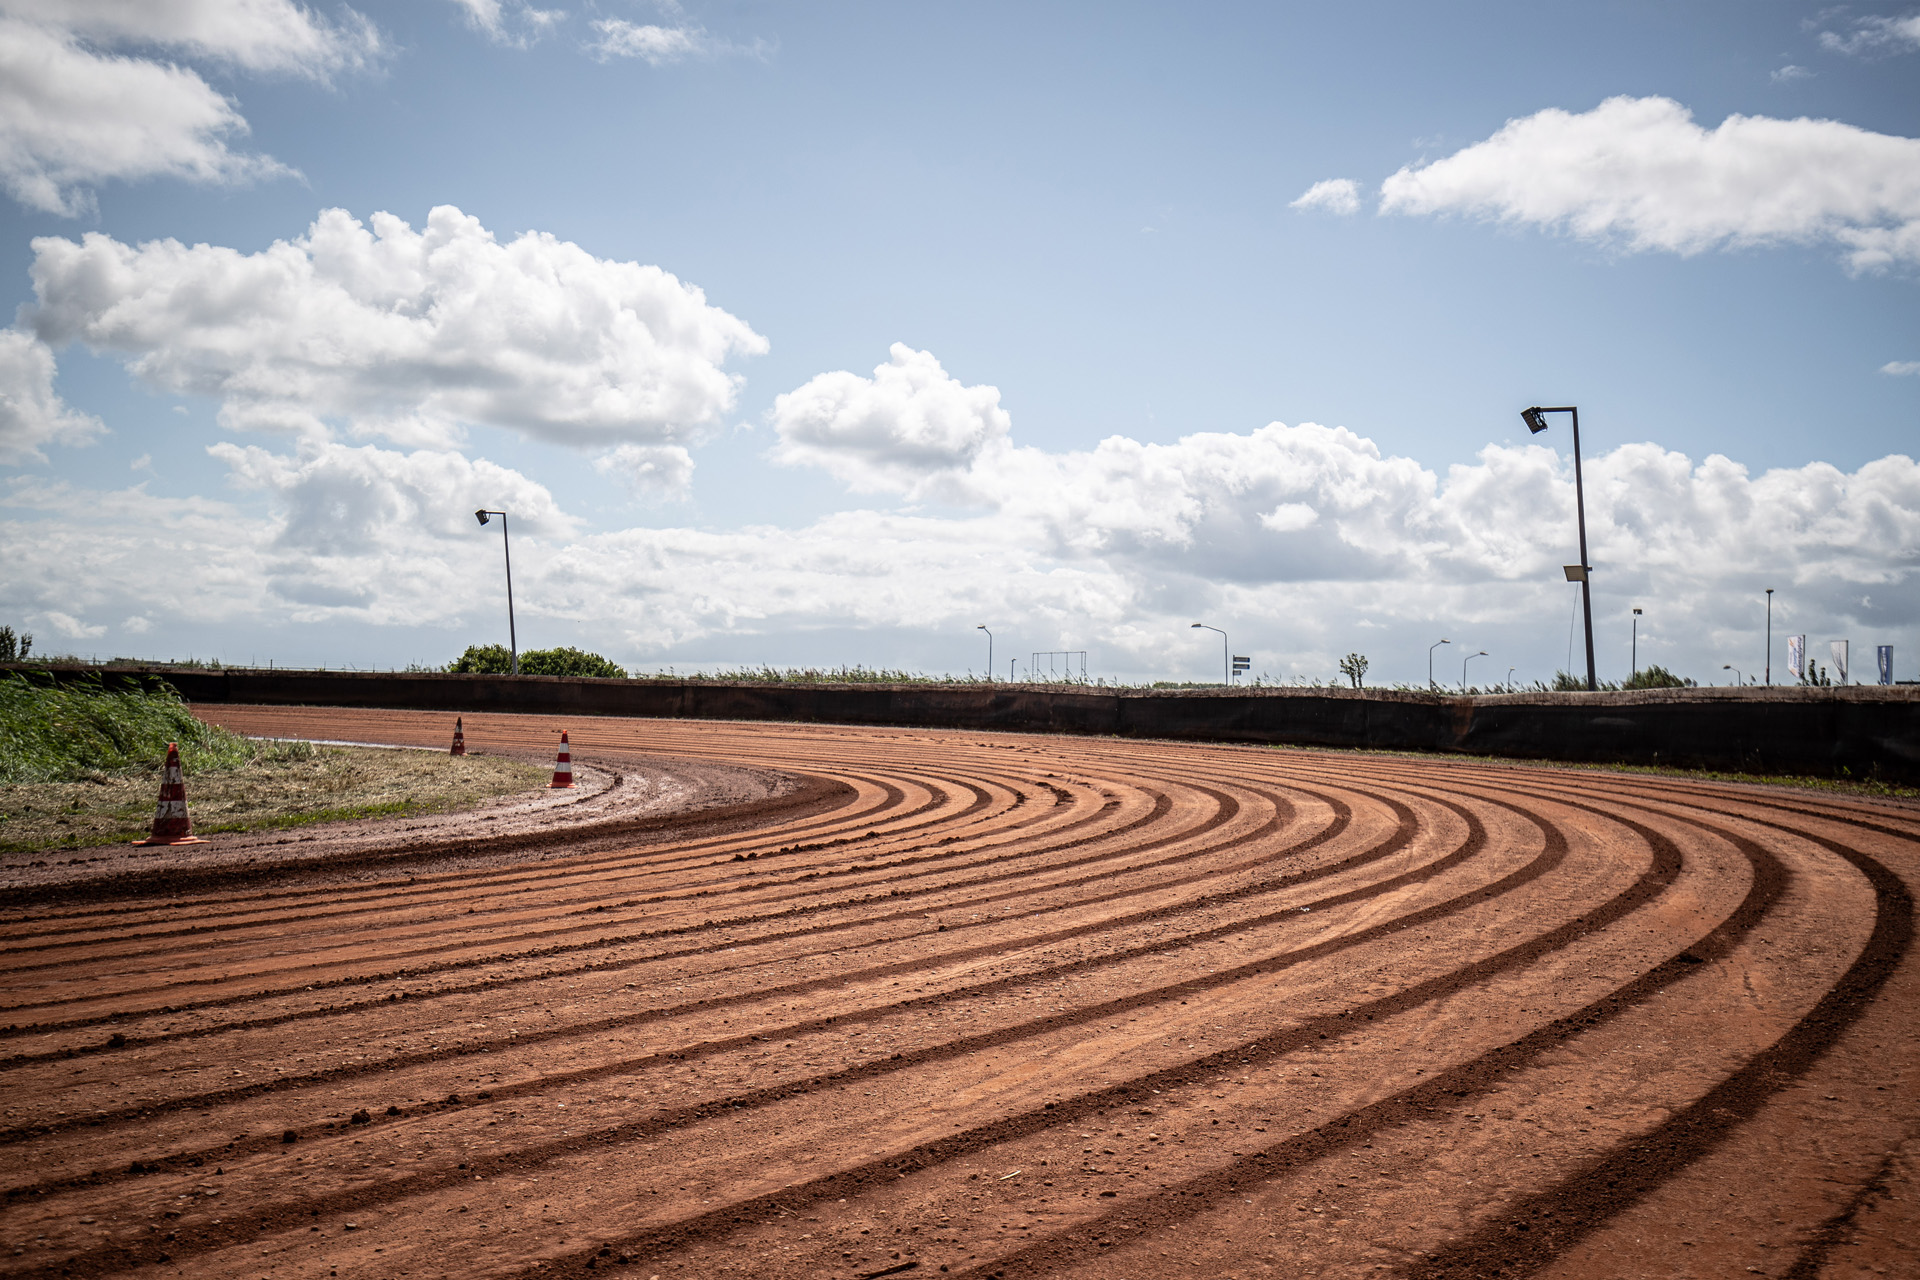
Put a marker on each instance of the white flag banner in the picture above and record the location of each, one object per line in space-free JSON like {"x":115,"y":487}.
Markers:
{"x":1885,"y":656}
{"x":1797,"y":657}
{"x":1838,"y":649}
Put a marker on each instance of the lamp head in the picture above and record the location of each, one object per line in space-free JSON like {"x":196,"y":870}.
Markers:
{"x":1199,"y":624}
{"x":1536,"y":421}
{"x":1636,"y":613}
{"x":481,"y":515}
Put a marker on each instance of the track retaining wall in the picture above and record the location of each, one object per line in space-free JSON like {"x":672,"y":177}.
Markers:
{"x":1860,"y":731}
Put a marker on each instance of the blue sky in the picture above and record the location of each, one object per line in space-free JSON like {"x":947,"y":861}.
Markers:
{"x":1090,"y":209}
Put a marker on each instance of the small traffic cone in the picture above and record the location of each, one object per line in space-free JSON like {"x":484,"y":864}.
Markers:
{"x":459,"y":739}
{"x":171,"y":825}
{"x":563,"y":764}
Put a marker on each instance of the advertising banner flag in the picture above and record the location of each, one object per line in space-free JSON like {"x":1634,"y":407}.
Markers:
{"x":1885,"y":654}
{"x":1797,"y":657}
{"x":1838,"y":648}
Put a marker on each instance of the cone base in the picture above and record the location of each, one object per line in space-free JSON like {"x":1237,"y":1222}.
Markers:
{"x":559,"y":786}
{"x":182,"y":840}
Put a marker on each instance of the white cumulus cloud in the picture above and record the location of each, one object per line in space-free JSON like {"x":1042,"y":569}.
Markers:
{"x":70,"y":117}
{"x":258,"y":35}
{"x":1876,"y":35}
{"x":650,"y":470}
{"x":1333,"y":195}
{"x":658,"y":46}
{"x":73,"y":628}
{"x":1901,"y":368}
{"x":410,"y":335}
{"x":1640,"y":173}
{"x":908,"y":429}
{"x":32,"y":414}
{"x":517,"y":25}
{"x":79,"y":105}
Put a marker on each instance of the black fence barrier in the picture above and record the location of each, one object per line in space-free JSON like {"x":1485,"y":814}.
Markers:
{"x":1861,"y":731}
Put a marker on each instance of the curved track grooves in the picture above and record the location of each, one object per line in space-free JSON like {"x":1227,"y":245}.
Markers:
{"x":1018,"y":1006}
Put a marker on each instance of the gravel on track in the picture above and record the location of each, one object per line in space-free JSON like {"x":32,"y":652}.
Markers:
{"x":781,"y":1001}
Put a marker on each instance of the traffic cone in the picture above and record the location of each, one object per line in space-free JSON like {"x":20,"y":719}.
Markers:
{"x":563,"y":764}
{"x":459,"y":739}
{"x":171,"y":825}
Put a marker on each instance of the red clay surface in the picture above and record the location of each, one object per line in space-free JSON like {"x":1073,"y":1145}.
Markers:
{"x":996,"y":1006}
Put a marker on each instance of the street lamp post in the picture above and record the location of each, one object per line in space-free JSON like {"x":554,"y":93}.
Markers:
{"x":1737,"y":677}
{"x":1463,"y":667}
{"x":1536,"y":421}
{"x":1769,"y":635}
{"x":1510,"y":671}
{"x":983,"y":627}
{"x":1636,"y":644}
{"x":513,"y":641}
{"x":1225,"y":673}
{"x":1430,"y":648}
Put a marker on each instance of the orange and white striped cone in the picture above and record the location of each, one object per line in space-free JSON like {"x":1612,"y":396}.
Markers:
{"x":171,"y":825}
{"x":459,"y":739}
{"x":563,"y":764}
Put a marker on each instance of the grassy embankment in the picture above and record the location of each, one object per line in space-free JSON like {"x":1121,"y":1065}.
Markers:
{"x":81,"y":766}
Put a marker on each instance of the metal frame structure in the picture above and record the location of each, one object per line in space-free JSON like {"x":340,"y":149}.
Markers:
{"x":1033,"y":668}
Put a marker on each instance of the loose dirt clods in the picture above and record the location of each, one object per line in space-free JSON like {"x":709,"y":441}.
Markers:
{"x":1066,"y":1013}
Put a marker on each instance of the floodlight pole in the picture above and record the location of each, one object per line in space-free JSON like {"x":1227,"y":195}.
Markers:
{"x":1226,"y":674}
{"x":1769,"y":635}
{"x":982,"y":627}
{"x":1636,"y":644}
{"x":1537,"y":424}
{"x":513,"y":641}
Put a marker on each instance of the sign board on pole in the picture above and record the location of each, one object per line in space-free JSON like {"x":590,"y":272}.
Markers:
{"x":1797,"y":657}
{"x":1885,"y":655}
{"x":1838,"y":648}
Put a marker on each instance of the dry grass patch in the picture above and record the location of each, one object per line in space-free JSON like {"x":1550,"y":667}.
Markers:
{"x":284,"y":785}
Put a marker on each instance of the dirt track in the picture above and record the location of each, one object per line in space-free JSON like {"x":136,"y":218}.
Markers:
{"x":1000,"y":1006}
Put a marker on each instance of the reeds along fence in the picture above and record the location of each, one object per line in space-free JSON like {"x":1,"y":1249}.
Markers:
{"x":1862,"y":731}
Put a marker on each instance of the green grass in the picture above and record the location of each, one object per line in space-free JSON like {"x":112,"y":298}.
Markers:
{"x":285,"y":785}
{"x":51,"y":733}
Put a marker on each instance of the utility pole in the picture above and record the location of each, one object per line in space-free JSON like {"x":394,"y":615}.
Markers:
{"x":1769,"y":635}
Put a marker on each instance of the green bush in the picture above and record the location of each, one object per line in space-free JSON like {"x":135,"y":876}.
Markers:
{"x":483,"y":660}
{"x":568,"y":662}
{"x":497,"y":660}
{"x":1656,"y":677}
{"x":55,"y":733}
